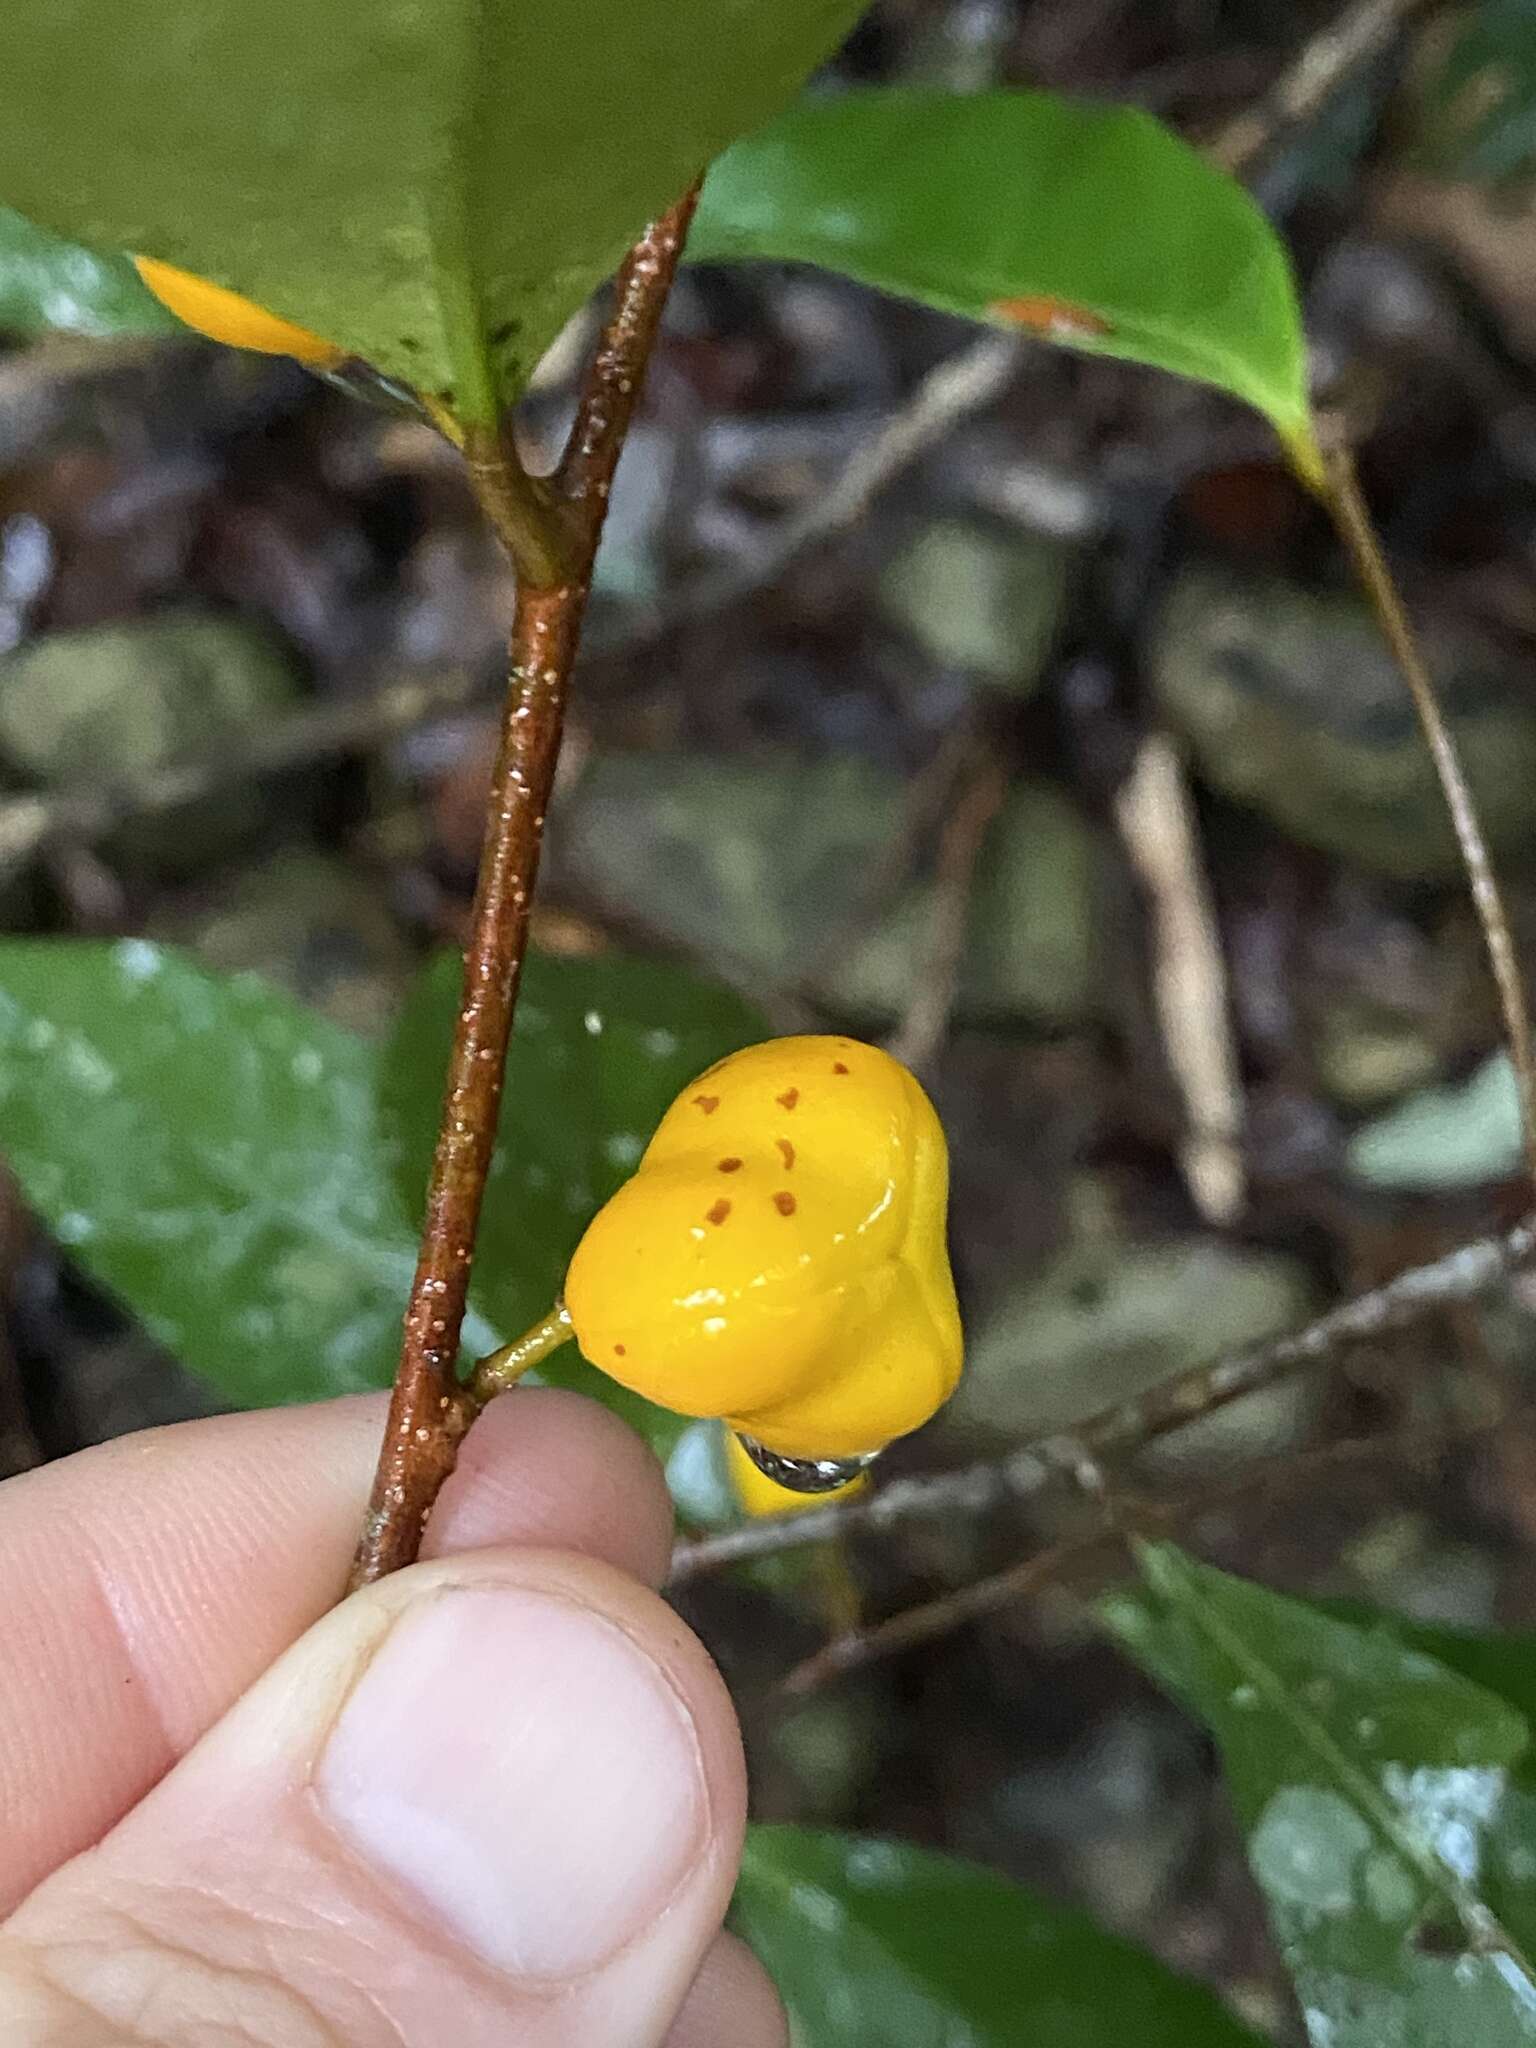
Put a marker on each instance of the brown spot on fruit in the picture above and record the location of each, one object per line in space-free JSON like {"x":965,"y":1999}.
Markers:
{"x":1054,"y":318}
{"x":784,"y":1202}
{"x":618,"y":1350}
{"x":708,"y":1103}
{"x":838,"y":1067}
{"x":788,"y":1099}
{"x":719,"y":1212}
{"x":729,"y":1166}
{"x":788,"y":1151}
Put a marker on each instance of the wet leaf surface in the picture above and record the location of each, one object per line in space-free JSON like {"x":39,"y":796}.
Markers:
{"x":1381,"y":1795}
{"x":48,"y":285}
{"x":881,"y":1945}
{"x":244,"y":1174}
{"x":210,"y":1152}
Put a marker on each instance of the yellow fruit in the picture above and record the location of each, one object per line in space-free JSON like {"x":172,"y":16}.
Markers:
{"x":778,"y":1258}
{"x":758,"y":1495}
{"x":225,"y":316}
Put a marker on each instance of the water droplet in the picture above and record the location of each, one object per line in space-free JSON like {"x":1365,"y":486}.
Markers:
{"x":136,"y":960}
{"x":1306,"y":1849}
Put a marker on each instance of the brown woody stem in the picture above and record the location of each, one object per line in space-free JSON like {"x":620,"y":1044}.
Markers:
{"x":551,"y":529}
{"x":1352,"y":517}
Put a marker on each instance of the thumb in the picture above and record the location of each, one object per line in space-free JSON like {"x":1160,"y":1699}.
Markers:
{"x":495,"y":1799}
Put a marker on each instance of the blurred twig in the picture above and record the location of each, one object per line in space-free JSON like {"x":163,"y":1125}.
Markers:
{"x":926,"y":800}
{"x":1156,"y":818}
{"x":1324,"y":65}
{"x":28,"y":824}
{"x":936,"y":981}
{"x":1461,"y":1275}
{"x":1347,"y":505}
{"x":960,"y":385}
{"x":857,"y":1647}
{"x":39,"y":385}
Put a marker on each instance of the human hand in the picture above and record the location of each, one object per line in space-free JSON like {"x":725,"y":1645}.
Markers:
{"x":497,"y":1799}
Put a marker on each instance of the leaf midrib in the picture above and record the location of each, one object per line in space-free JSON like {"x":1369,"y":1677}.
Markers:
{"x":1485,"y":1932}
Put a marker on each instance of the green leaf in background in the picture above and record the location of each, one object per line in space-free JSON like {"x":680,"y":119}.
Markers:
{"x":244,"y":1175}
{"x":209,"y":1151}
{"x":435,"y":187}
{"x":1484,"y":100}
{"x":1089,"y":226}
{"x":1385,"y":1816}
{"x":1500,"y":1661}
{"x":1504,"y":1663}
{"x":876,"y":1944}
{"x":1458,"y":1137}
{"x":601,"y":1048}
{"x":48,"y":285}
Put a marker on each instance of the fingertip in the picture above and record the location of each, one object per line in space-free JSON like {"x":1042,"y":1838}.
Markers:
{"x":732,"y":1999}
{"x":555,"y":1469}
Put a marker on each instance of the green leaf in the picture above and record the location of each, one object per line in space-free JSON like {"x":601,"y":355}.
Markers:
{"x":875,"y":1944}
{"x":48,"y":284}
{"x":601,"y":1048}
{"x":1505,"y":1664}
{"x":1500,"y":1661}
{"x":1386,"y":1819}
{"x":210,"y":1152}
{"x":1457,"y":1137}
{"x":245,"y":1175}
{"x":1483,"y":103}
{"x":1091,"y":226}
{"x":436,"y":188}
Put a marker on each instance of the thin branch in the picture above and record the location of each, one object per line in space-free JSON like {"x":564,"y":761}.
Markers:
{"x":925,"y":1623}
{"x":962,"y":384}
{"x":857,"y":1648}
{"x":1156,"y":817}
{"x":1352,"y":518}
{"x":920,"y":1035}
{"x":1338,"y":52}
{"x":32,"y":823}
{"x":429,"y":1410}
{"x":1461,"y":1275}
{"x":925,"y":800}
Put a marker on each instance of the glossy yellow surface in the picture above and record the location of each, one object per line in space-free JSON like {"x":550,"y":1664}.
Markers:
{"x":757,"y":1494}
{"x":778,"y":1258}
{"x":225,"y":316}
